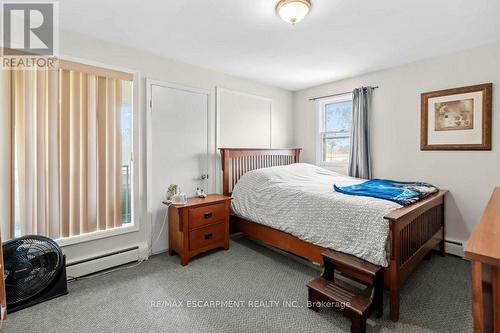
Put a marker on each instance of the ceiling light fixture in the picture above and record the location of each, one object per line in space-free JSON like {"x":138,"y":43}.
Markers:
{"x":293,"y":11}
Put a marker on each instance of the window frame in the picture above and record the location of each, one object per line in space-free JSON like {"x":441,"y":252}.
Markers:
{"x":320,"y":133}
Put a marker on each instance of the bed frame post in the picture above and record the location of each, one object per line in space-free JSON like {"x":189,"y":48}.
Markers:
{"x":225,"y":172}
{"x":297,"y":155}
{"x":442,"y":242}
{"x":393,"y":272}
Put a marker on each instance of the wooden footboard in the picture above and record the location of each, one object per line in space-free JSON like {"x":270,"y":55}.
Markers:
{"x":415,"y":229}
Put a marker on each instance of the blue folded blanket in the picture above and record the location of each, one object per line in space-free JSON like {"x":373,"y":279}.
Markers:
{"x":403,"y":193}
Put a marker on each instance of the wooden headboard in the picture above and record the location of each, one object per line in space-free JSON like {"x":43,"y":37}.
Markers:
{"x":238,"y":161}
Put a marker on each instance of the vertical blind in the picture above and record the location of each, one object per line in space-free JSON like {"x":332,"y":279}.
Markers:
{"x":67,"y":150}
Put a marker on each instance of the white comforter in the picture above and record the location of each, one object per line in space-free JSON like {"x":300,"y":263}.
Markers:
{"x":299,"y":199}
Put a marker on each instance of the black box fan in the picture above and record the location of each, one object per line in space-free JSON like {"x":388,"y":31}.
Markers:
{"x":35,"y":271}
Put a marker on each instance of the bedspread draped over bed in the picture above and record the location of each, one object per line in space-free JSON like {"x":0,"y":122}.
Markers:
{"x":299,"y":199}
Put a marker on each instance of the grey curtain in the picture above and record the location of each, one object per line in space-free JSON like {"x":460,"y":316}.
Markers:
{"x":359,"y":159}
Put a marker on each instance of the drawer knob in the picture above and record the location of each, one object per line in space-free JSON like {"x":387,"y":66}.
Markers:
{"x":207,"y":215}
{"x":208,"y":236}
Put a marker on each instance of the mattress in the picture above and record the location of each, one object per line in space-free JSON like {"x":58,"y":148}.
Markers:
{"x":299,"y":199}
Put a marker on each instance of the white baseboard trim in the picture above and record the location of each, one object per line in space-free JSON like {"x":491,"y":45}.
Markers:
{"x":454,"y":248}
{"x":99,"y":262}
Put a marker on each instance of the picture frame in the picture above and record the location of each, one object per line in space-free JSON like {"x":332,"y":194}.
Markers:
{"x":457,"y":119}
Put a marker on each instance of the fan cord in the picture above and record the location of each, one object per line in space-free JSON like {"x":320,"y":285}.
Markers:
{"x":159,"y":233}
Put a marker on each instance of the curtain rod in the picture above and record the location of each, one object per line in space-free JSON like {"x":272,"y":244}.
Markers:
{"x":347,"y":92}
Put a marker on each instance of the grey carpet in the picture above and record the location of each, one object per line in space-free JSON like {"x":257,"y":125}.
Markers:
{"x":436,"y":298}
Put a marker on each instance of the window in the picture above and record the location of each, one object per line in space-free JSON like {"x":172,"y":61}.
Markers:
{"x":126,"y":132}
{"x":72,"y":150}
{"x":335,"y":124}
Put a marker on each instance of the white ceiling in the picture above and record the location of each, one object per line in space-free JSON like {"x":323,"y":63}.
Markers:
{"x":246,"y":38}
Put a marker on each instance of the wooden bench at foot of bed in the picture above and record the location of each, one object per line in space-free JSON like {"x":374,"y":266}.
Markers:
{"x":414,"y":230}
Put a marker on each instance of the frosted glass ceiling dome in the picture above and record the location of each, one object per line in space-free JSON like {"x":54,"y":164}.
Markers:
{"x":293,"y":11}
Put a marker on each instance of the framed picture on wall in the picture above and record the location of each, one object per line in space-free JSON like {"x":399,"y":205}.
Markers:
{"x":457,"y":119}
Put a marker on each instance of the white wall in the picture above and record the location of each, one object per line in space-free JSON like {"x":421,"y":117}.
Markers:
{"x":159,"y":68}
{"x":395,"y":128}
{"x":235,"y":111}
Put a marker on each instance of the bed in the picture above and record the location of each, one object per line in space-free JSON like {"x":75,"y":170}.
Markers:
{"x":412,"y":231}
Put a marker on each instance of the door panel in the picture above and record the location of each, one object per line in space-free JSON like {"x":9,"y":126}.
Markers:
{"x":179,"y":149}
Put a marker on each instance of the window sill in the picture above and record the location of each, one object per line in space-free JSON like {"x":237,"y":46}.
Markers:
{"x":62,"y":242}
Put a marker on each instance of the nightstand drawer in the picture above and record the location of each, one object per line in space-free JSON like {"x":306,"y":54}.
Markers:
{"x":205,"y":215}
{"x":206,"y":236}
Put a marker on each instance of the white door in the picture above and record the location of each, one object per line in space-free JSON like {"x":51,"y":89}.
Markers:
{"x":178,"y":150}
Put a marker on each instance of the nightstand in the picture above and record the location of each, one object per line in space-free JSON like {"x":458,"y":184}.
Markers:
{"x":198,"y":226}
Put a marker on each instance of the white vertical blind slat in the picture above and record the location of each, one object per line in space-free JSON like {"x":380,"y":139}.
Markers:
{"x":117,"y":154}
{"x":64,"y":155}
{"x":53,"y":212}
{"x":74,"y":155}
{"x":84,"y":137}
{"x":92,"y":154}
{"x":110,"y":154}
{"x":40,"y":116}
{"x":102,"y":87}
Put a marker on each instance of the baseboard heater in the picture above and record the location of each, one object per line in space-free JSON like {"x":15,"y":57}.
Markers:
{"x":454,"y":248}
{"x":100,"y":262}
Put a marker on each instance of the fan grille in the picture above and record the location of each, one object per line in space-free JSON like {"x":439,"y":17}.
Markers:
{"x":31,"y":264}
